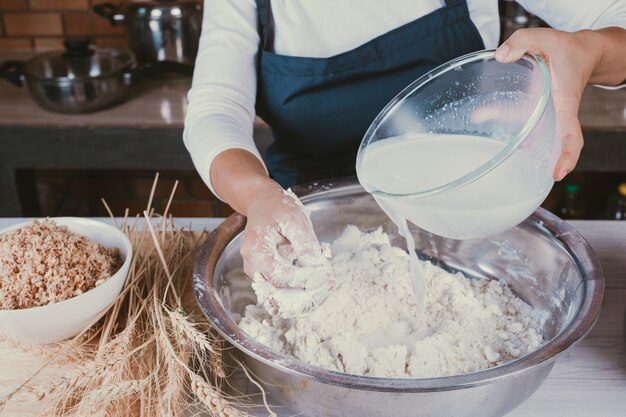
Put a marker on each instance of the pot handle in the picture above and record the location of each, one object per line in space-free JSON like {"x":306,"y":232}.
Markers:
{"x":109,"y":11}
{"x":13,"y":72}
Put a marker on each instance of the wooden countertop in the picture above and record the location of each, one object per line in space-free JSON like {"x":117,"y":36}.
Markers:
{"x":162,"y":102}
{"x":590,"y":378}
{"x":587,"y":380}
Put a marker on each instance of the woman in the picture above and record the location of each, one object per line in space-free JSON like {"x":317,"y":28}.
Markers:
{"x":318,"y":71}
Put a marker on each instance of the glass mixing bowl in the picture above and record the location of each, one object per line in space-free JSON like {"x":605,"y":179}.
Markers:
{"x":467,"y":150}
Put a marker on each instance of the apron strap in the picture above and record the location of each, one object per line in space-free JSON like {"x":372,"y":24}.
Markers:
{"x":266,"y":24}
{"x":452,"y":2}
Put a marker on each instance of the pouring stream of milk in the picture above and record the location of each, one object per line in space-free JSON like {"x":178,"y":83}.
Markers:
{"x":417,"y":280}
{"x":411,"y":164}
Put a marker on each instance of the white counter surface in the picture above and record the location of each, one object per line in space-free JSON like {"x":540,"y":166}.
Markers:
{"x":589,"y":380}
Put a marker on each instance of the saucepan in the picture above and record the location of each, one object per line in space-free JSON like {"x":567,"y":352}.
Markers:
{"x":158,"y":30}
{"x":79,"y":79}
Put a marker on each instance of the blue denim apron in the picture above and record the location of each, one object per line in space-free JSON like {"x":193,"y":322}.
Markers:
{"x":319,"y":108}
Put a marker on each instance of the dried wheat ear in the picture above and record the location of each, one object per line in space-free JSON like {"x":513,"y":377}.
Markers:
{"x":147,"y":355}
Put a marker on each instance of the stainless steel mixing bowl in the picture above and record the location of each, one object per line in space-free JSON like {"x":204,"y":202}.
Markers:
{"x":544,"y":260}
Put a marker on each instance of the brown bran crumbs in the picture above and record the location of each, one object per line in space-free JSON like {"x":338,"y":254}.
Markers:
{"x":43,"y":263}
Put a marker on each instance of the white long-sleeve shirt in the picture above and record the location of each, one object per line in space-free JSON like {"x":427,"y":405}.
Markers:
{"x":221,"y":113}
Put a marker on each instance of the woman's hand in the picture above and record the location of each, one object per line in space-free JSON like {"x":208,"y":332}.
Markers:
{"x":278,"y":231}
{"x":574,"y":60}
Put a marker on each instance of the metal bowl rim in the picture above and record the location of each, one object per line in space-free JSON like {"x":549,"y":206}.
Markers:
{"x":558,"y":229}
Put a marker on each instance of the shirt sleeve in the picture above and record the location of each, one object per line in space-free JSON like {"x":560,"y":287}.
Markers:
{"x":220,"y":114}
{"x":579,"y":14}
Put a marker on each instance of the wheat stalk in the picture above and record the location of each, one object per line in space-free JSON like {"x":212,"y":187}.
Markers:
{"x":115,"y":351}
{"x":211,"y":397}
{"x":216,"y":364}
{"x":144,"y":351}
{"x":174,"y":387}
{"x":41,"y":351}
{"x":258,"y":385}
{"x":115,"y":391}
{"x":188,"y":331}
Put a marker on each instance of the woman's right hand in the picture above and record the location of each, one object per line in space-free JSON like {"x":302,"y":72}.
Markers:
{"x":278,"y":231}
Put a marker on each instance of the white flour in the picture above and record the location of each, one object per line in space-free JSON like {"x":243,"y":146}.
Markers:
{"x":361,"y":320}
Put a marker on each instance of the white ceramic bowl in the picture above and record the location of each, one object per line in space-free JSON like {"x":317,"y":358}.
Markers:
{"x":62,"y":320}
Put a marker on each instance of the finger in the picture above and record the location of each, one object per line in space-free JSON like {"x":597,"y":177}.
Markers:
{"x":302,"y":237}
{"x":253,"y":264}
{"x":520,"y":42}
{"x":488,"y":113}
{"x":256,"y":256}
{"x":260,"y":255}
{"x":571,"y":137}
{"x":286,"y":251}
{"x":572,"y":144}
{"x":271,"y":269}
{"x":299,"y":231}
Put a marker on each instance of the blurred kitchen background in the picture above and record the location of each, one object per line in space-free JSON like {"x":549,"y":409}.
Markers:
{"x":55,"y":164}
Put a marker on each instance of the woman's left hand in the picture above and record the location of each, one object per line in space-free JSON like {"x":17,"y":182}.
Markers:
{"x":571,"y":58}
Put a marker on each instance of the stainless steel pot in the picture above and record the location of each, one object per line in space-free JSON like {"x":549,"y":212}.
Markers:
{"x":544,"y":260}
{"x":78,"y":80}
{"x":161,"y":30}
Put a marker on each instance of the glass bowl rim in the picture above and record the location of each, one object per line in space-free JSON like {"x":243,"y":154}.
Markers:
{"x":520,"y":138}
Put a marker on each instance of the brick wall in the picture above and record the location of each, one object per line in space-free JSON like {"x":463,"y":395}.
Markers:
{"x":40,"y":25}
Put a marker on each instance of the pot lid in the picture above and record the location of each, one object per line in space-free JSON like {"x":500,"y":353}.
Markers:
{"x":158,"y":9}
{"x":79,"y":61}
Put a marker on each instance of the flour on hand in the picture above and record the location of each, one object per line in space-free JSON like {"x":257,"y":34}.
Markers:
{"x":355,"y":313}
